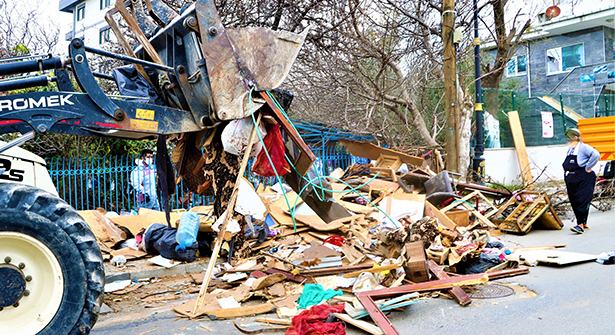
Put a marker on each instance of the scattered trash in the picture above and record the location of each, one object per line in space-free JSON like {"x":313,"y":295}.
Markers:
{"x":392,"y":236}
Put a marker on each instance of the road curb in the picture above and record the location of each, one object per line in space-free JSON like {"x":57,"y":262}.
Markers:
{"x":180,"y":269}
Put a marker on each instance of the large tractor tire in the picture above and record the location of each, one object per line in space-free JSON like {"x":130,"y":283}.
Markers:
{"x":51,"y":271}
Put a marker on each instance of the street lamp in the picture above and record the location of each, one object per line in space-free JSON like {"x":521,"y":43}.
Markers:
{"x":478,"y":163}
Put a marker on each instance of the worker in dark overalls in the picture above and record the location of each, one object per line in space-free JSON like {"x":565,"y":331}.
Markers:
{"x":579,"y":177}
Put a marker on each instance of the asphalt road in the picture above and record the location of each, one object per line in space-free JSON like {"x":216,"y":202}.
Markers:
{"x":575,"y":299}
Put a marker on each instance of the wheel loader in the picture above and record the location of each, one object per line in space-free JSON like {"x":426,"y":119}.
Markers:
{"x":185,"y":79}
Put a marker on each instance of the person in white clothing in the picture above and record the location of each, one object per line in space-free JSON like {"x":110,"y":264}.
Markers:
{"x":143,"y":181}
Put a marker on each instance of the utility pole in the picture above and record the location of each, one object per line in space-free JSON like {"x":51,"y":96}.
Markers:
{"x":450,"y":87}
{"x":478,"y":164}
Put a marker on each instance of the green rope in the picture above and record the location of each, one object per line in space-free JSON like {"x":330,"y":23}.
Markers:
{"x":309,"y":182}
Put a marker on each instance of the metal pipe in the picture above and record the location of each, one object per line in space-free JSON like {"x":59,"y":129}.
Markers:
{"x":478,"y":163}
{"x":24,"y":83}
{"x":96,"y":74}
{"x":129,"y":59}
{"x":18,"y":141}
{"x":31,"y":66}
{"x":16,"y":58}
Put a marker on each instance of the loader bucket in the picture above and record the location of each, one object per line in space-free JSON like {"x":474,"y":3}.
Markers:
{"x":240,"y":58}
{"x":268,"y":54}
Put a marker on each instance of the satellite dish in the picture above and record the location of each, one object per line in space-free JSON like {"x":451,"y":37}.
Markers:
{"x":553,"y":11}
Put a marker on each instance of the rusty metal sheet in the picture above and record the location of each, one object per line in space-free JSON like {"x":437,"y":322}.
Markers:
{"x":160,"y":11}
{"x":268,"y":54}
{"x":599,"y":133}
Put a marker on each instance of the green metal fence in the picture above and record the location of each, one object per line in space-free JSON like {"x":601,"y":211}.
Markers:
{"x":531,"y":108}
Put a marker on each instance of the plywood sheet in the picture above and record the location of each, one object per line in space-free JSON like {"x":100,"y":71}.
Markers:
{"x":373,"y":152}
{"x":555,"y":256}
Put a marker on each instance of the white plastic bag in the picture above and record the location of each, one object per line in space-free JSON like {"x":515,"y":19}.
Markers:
{"x":236,"y":135}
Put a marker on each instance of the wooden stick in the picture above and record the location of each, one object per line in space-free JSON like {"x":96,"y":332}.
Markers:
{"x":284,"y":260}
{"x":274,"y":321}
{"x":229,"y":212}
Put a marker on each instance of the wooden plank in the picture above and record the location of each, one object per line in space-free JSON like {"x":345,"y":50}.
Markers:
{"x":238,"y":312}
{"x":366,"y":298}
{"x":275,"y":321}
{"x":366,"y":326}
{"x":457,"y":292}
{"x":336,"y":270}
{"x":444,"y":220}
{"x":372,"y":151}
{"x":373,"y":270}
{"x":230,"y":208}
{"x":524,"y":163}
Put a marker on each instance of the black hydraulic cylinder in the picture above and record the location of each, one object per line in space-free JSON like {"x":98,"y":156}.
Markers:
{"x":27,"y":66}
{"x":24,"y":83}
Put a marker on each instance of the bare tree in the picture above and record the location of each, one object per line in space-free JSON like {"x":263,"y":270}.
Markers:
{"x":23,"y":30}
{"x":507,"y":35}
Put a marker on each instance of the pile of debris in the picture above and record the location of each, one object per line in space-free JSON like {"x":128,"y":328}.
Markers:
{"x":406,"y":232}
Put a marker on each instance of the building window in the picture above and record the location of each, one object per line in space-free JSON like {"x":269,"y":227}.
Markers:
{"x":516,"y":66}
{"x":80,"y":12}
{"x":105,"y":3}
{"x":565,"y":58}
{"x":103,"y":35}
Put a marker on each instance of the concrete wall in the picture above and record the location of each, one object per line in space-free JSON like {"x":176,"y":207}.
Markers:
{"x":502,"y":165}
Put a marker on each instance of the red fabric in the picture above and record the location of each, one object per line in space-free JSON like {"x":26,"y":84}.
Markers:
{"x":275,"y":146}
{"x":311,"y":321}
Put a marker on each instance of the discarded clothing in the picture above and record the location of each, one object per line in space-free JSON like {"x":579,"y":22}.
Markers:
{"x":159,"y":238}
{"x":606,"y":258}
{"x":313,"y":294}
{"x":367,"y":282}
{"x":479,"y":264}
{"x":311,"y":321}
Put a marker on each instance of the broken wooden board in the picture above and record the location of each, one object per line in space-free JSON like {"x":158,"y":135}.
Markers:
{"x":524,"y":163}
{"x":267,"y":281}
{"x":373,"y":270}
{"x":288,"y":302}
{"x":129,"y":253}
{"x":555,"y":256}
{"x":135,"y":223}
{"x":431,"y":210}
{"x":103,"y":228}
{"x":372,"y":151}
{"x":317,"y":223}
{"x":399,"y":205}
{"x":457,"y":292}
{"x":356,"y":208}
{"x":364,"y":325}
{"x":209,"y":304}
{"x":239,"y":312}
{"x":317,"y":250}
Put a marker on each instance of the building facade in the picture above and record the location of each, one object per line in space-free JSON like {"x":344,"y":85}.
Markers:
{"x":566,"y":61}
{"x":88,"y":20}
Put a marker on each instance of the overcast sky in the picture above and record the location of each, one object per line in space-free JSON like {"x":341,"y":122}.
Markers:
{"x":49,"y":11}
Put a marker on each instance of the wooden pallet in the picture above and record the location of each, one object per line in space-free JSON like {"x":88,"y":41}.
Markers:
{"x":529,"y":207}
{"x":481,"y":218}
